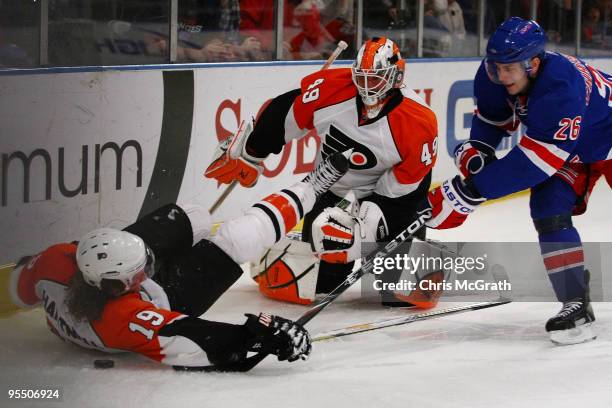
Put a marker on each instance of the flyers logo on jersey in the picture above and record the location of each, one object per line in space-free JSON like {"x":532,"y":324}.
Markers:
{"x":335,"y":140}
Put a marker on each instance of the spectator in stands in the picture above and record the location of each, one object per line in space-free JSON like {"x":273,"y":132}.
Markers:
{"x":605,"y":6}
{"x":380,"y":14}
{"x":437,"y":40}
{"x":313,"y":41}
{"x":431,"y":13}
{"x":332,"y":9}
{"x":470,"y":16}
{"x":209,"y":32}
{"x":450,"y":14}
{"x":337,"y":16}
{"x":593,"y":27}
{"x":257,"y":19}
{"x":451,"y":17}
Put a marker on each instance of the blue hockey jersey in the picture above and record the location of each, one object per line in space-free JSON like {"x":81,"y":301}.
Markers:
{"x":567,"y":114}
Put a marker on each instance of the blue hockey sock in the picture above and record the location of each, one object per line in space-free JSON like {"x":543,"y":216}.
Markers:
{"x":564,"y":261}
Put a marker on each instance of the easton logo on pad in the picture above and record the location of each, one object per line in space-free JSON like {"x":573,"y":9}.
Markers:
{"x":362,"y":158}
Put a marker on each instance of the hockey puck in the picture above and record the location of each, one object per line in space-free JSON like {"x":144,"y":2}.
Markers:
{"x":103,"y":363}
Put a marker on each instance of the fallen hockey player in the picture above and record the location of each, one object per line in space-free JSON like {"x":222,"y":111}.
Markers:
{"x":142,"y":289}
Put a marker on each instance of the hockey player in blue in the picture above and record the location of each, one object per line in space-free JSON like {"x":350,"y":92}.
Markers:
{"x":566,"y":107}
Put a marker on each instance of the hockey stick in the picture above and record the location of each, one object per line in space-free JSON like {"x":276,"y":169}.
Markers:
{"x":341,"y":47}
{"x":366,"y":267}
{"x":330,"y":60}
{"x":498,"y":272}
{"x":397,"y":321}
{"x":222,"y":197}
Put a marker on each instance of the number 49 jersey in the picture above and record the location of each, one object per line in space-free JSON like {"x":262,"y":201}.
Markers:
{"x":392,"y":153}
{"x":567,"y":115}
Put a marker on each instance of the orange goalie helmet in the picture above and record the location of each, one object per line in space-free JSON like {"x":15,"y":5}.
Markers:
{"x":379,"y":67}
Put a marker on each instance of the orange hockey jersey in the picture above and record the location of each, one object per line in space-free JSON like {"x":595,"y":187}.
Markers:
{"x":392,"y":152}
{"x":131,"y":322}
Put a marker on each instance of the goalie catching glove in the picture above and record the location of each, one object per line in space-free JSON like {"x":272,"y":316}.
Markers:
{"x":284,"y":338}
{"x":337,"y":233}
{"x":232,"y":162}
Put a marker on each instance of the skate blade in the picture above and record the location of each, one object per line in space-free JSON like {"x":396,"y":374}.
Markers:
{"x":577,"y":335}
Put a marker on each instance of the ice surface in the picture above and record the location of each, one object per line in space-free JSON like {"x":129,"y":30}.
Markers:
{"x":499,"y":357}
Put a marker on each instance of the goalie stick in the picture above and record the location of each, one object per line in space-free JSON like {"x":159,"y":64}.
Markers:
{"x":398,"y":321}
{"x":498,"y":273}
{"x":366,"y":267}
{"x":341,"y":47}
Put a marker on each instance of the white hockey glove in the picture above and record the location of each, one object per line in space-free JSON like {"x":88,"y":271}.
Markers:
{"x":337,"y":235}
{"x":232,"y":162}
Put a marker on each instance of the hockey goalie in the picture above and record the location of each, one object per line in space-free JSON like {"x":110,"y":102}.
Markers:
{"x":391,"y":135}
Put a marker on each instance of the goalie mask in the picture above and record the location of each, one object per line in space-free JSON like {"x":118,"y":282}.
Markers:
{"x":378,"y":68}
{"x":107,"y":253}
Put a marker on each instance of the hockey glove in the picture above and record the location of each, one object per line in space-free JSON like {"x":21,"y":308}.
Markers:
{"x":232,"y":162}
{"x":336,"y":236}
{"x":451,"y":203}
{"x":472,"y":156}
{"x":276,"y":335}
{"x":338,"y":232}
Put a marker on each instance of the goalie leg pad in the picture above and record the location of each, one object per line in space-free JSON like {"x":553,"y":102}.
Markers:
{"x":288,"y":272}
{"x":428,"y":291}
{"x":428,"y":281}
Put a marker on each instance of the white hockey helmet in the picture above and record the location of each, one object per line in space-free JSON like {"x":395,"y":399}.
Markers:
{"x":107,"y":253}
{"x":379,"y":67}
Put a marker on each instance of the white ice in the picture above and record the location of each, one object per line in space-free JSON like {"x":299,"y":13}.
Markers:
{"x":499,"y":357}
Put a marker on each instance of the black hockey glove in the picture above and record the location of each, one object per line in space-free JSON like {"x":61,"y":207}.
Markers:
{"x":276,"y":335}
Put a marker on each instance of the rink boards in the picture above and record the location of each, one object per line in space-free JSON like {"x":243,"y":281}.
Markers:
{"x":96,"y":146}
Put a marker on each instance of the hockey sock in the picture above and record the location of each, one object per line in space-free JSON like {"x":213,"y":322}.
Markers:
{"x":284,"y":209}
{"x":564,"y":260}
{"x":266,"y":222}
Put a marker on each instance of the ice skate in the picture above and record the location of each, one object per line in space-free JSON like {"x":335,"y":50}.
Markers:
{"x":329,"y":170}
{"x":573,"y":324}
